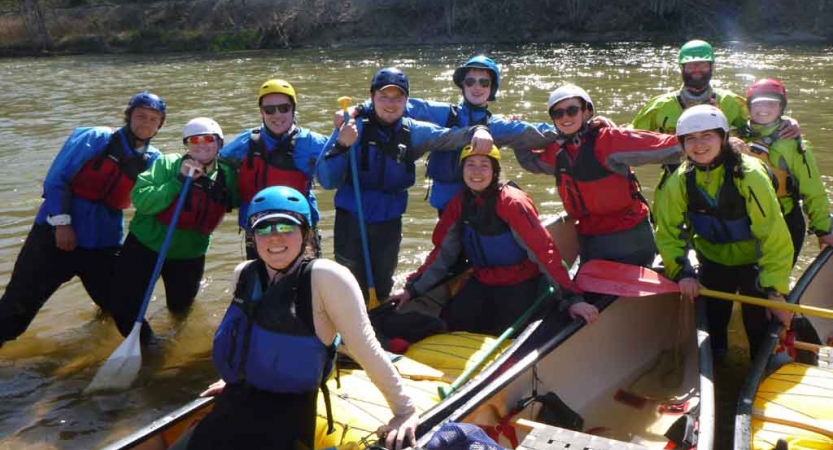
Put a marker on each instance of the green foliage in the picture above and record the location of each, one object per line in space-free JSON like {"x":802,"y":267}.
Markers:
{"x":247,"y":39}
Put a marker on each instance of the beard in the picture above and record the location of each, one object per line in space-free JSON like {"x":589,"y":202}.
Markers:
{"x":698,"y":85}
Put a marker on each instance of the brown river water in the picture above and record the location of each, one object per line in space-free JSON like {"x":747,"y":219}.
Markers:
{"x":43,"y":373}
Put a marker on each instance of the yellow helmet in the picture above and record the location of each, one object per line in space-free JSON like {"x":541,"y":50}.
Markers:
{"x":276,"y":87}
{"x":494,"y":153}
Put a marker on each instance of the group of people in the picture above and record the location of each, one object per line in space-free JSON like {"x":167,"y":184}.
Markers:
{"x":737,"y":201}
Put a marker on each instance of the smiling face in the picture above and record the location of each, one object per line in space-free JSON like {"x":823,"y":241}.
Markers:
{"x":566,"y":123}
{"x":477,"y":94}
{"x":204,"y":151}
{"x":764,"y":111}
{"x":478,"y":172}
{"x":277,"y":122}
{"x":696,"y":75}
{"x":389,"y":104}
{"x":703,"y":147}
{"x":145,"y":122}
{"x":279,"y":248}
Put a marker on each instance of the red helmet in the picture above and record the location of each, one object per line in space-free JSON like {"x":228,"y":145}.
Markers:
{"x":767,"y":88}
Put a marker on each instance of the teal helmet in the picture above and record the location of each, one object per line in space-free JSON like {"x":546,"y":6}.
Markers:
{"x":479,"y":62}
{"x":695,"y":51}
{"x":279,"y":202}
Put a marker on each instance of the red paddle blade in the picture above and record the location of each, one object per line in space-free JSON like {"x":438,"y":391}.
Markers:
{"x":626,"y":280}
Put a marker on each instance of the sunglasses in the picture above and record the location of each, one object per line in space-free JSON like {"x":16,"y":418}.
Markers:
{"x":484,"y":82}
{"x":570,"y":111}
{"x":269,"y":228}
{"x":283,"y":108}
{"x":207,"y":138}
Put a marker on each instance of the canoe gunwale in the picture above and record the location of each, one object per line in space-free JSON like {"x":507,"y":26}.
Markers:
{"x":746,"y":399}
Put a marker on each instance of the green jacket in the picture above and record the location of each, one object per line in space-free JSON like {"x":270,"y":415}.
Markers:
{"x":771,"y":249}
{"x":662,"y":112}
{"x":155,"y":190}
{"x":794,"y":160}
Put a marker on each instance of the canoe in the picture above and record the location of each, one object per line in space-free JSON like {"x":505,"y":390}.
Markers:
{"x":358,"y":407}
{"x":786,"y":401}
{"x":642,"y":370}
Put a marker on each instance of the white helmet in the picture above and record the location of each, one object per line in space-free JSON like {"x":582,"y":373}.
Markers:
{"x":201,"y":125}
{"x":702,"y":118}
{"x":569,"y":91}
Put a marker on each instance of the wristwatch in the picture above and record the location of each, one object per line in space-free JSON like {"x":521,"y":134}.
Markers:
{"x":60,"y":219}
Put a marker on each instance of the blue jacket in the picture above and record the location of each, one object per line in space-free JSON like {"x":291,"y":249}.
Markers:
{"x":333,"y":170}
{"x":308,"y":147}
{"x":95,"y":225}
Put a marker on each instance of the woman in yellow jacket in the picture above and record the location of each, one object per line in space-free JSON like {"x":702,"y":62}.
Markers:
{"x":722,"y":204}
{"x":792,"y":162}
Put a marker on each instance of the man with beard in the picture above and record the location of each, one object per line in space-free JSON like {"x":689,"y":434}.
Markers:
{"x":696,"y":61}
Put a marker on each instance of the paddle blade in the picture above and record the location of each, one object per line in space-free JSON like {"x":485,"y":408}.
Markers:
{"x":626,"y":280}
{"x":121,"y":369}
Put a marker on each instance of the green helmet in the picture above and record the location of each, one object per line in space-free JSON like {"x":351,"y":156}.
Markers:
{"x":696,"y":50}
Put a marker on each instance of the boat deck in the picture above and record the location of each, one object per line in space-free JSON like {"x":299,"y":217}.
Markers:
{"x":547,"y":437}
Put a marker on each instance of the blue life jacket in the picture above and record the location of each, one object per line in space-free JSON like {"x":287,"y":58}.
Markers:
{"x":383,"y":162}
{"x":724,"y":222}
{"x":487,"y":239}
{"x":267,"y":339}
{"x":444,"y":167}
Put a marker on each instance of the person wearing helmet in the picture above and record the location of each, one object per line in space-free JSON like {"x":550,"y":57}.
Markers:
{"x":213,"y":192}
{"x":387,"y":145}
{"x":495,"y":226}
{"x":305,"y":306}
{"x":78,"y":228}
{"x":790,"y":160}
{"x":277,"y":153}
{"x":593,"y":175}
{"x":661,"y":113}
{"x":721,"y":203}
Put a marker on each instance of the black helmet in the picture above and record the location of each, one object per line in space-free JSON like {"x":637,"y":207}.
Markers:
{"x":390,"y":76}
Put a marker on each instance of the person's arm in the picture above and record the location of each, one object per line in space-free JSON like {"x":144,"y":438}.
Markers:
{"x":342,"y":308}
{"x":331,"y":168}
{"x":235,"y":151}
{"x":769,"y":228}
{"x":427,"y":137}
{"x":620,"y":149}
{"x":645,"y":118}
{"x":810,"y":187}
{"x":159,"y":186}
{"x":428,"y":111}
{"x":672,"y":233}
{"x":518,"y":210}
{"x":447,"y":249}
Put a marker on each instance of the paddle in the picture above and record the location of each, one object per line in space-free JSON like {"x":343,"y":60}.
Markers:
{"x":495,"y":345}
{"x":373,"y":300}
{"x":119,"y":371}
{"x":608,"y":277}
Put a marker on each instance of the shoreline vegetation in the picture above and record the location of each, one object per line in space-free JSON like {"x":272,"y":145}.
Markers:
{"x":50,"y":27}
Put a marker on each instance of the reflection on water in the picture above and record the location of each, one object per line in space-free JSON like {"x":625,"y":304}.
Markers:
{"x":43,"y":373}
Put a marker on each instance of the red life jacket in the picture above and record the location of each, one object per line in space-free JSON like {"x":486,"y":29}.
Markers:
{"x":261,"y":168}
{"x":208,"y":200}
{"x":590,"y":190}
{"x":109,"y":177}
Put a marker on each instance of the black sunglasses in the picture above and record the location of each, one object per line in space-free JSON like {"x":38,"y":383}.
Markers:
{"x":484,"y":82}
{"x":283,"y":108}
{"x":571,"y":111}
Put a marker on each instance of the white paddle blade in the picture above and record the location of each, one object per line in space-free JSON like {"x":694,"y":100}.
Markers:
{"x":122,"y":368}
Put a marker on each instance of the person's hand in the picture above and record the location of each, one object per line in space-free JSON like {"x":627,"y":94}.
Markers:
{"x":398,"y":430}
{"x":513,"y":117}
{"x":65,"y":238}
{"x":190,"y":164}
{"x":584,"y":310}
{"x":689,"y":288}
{"x":348,"y":133}
{"x":789,"y":129}
{"x":215,"y":388}
{"x":403,"y":296}
{"x":602,"y":122}
{"x":785,"y":317}
{"x":825,"y":240}
{"x":481,"y":142}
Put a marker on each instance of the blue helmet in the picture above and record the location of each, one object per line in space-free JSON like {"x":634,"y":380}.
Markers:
{"x":479,"y":62}
{"x":275,"y":202}
{"x":148,"y":100}
{"x":390,"y":76}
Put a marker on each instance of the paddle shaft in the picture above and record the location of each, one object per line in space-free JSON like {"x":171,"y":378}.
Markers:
{"x":160,"y":260}
{"x":794,"y":307}
{"x":373,"y":300}
{"x":464,"y":377}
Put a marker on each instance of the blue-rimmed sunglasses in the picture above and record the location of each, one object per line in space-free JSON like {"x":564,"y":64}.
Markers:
{"x":269,"y":228}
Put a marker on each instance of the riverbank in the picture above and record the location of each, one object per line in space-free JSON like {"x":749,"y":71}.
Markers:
{"x":49,"y":27}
